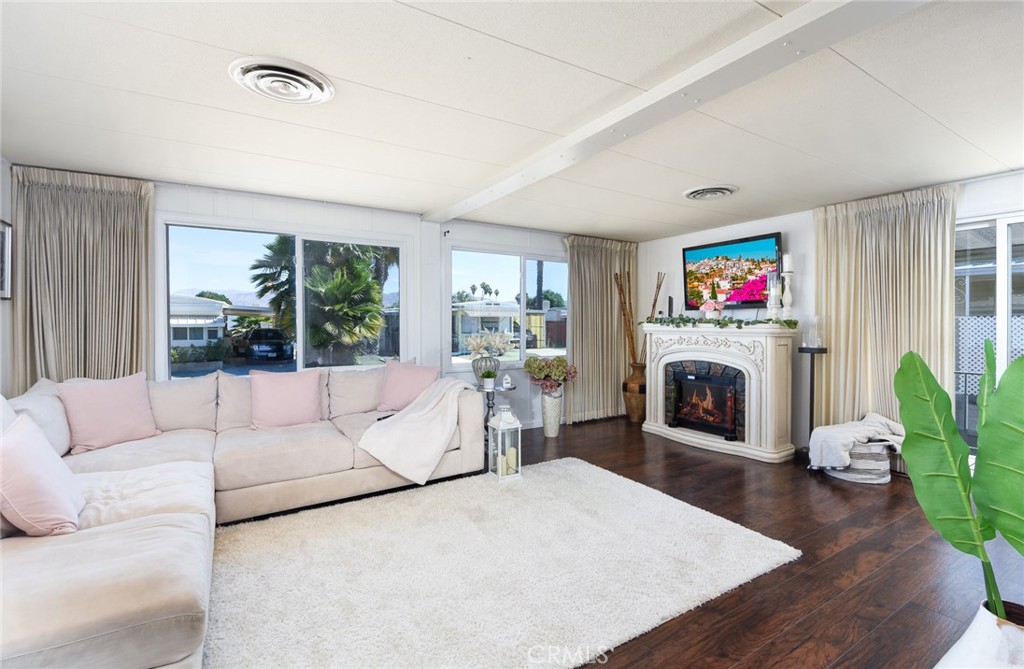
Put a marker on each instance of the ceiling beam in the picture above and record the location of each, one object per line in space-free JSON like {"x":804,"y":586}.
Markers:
{"x":810,"y":28}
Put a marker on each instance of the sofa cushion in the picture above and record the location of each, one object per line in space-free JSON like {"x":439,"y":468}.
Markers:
{"x":7,"y":414}
{"x":403,"y":383}
{"x":38,"y":494}
{"x":325,"y":393}
{"x":129,"y":594}
{"x":103,"y":413}
{"x":355,"y":425}
{"x":172,"y":487}
{"x":181,"y":404}
{"x":173,"y":446}
{"x":43,"y":403}
{"x":283,"y":399}
{"x":355,"y":390}
{"x":245,"y":457}
{"x":234,"y":401}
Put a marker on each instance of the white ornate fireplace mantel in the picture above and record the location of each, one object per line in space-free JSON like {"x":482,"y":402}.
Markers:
{"x":762,"y":352}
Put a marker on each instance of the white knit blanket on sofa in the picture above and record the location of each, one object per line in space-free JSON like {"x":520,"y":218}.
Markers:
{"x":412,"y":442}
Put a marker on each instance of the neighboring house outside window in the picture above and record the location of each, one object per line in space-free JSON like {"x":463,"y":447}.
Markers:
{"x":195,"y":320}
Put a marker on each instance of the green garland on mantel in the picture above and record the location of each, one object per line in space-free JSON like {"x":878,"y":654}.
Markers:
{"x":681,"y":321}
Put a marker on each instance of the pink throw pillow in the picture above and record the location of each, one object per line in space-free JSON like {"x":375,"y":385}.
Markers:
{"x":38,"y":493}
{"x":403,"y":383}
{"x":104,"y":413}
{"x":288,"y":398}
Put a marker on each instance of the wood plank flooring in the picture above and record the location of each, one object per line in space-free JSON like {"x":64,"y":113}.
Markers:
{"x":875,"y":587}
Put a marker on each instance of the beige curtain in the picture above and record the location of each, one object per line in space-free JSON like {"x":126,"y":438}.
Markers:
{"x":885,"y":287}
{"x":82,"y":283}
{"x":596,"y":336}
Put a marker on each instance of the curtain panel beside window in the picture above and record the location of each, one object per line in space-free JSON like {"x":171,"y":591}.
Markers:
{"x":596,"y":336}
{"x":885,"y":287}
{"x":82,"y":267}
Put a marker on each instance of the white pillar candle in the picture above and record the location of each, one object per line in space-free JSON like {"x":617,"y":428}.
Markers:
{"x":787,"y":262}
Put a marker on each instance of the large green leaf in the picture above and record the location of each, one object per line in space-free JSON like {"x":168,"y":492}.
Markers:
{"x":987,"y":382}
{"x":936,"y":456}
{"x":999,"y":469}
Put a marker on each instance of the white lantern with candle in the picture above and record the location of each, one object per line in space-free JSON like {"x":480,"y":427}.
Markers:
{"x":504,"y":458}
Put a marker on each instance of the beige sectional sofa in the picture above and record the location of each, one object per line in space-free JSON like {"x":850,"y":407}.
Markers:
{"x":131,"y":587}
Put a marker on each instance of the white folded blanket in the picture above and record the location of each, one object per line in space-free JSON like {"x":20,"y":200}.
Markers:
{"x":412,"y":442}
{"x":830,"y":444}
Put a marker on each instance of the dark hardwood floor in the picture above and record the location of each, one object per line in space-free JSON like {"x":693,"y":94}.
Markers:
{"x":876,"y":585}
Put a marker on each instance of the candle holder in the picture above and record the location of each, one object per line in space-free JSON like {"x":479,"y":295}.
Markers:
{"x":504,"y":444}
{"x":787,"y":295}
{"x":774,"y":303}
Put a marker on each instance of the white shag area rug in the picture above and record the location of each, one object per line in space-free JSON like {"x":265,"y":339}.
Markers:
{"x":552,"y":569}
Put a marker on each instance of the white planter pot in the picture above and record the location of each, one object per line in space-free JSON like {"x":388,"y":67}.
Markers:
{"x":551,"y":410}
{"x":988,"y":642}
{"x":488,"y":384}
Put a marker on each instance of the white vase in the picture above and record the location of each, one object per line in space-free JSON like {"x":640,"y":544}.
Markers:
{"x":988,"y":642}
{"x":488,"y":385}
{"x":551,"y":410}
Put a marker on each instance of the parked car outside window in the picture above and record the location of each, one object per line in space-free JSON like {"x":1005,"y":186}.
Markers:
{"x":265,"y":344}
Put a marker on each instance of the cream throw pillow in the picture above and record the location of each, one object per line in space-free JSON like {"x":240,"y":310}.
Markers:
{"x":282,"y":399}
{"x":43,"y":404}
{"x":355,"y":390}
{"x":181,"y":404}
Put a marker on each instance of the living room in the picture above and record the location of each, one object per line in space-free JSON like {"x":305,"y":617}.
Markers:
{"x":480,"y":155}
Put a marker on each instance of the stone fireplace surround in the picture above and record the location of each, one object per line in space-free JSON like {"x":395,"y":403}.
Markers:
{"x":762,"y":352}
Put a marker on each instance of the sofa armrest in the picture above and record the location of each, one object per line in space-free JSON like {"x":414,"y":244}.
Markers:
{"x":471,"y":430}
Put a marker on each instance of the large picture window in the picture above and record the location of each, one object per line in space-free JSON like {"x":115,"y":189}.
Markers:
{"x":524,"y":298}
{"x":233,"y":302}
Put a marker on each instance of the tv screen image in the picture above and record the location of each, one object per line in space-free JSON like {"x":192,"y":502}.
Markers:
{"x":738,"y":269}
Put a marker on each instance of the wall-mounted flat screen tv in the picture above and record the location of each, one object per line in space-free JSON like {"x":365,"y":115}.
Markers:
{"x":738,"y":269}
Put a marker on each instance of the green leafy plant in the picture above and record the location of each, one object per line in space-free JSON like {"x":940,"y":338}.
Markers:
{"x":725,"y":322}
{"x":212,"y":351}
{"x":488,"y":374}
{"x":937,"y":460}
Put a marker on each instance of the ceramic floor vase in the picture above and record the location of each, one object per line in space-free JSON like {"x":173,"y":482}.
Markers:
{"x":989,"y":641}
{"x":551,"y":410}
{"x":634,"y":393}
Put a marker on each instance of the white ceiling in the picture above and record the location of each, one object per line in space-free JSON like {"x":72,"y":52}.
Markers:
{"x":436,"y":99}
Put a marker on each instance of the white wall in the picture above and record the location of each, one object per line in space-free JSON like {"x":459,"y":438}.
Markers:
{"x":6,"y":306}
{"x":666,"y":255}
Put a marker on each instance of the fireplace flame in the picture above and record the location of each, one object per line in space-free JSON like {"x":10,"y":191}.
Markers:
{"x":702,"y":409}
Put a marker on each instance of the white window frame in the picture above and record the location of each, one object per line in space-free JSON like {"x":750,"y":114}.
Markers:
{"x":1003,"y":278}
{"x":525,"y":254}
{"x":162,"y":221}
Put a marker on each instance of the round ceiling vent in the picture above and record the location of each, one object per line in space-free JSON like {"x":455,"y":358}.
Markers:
{"x":282,"y":80}
{"x":711,"y":192}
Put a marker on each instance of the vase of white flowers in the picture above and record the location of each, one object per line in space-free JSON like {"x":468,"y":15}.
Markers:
{"x":487,"y":346}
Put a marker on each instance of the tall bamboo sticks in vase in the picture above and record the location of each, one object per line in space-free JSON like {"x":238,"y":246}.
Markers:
{"x":634,"y":388}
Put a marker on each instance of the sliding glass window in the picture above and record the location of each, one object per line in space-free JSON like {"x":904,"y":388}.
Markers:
{"x":487,"y":296}
{"x":232,"y":302}
{"x":989,"y":304}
